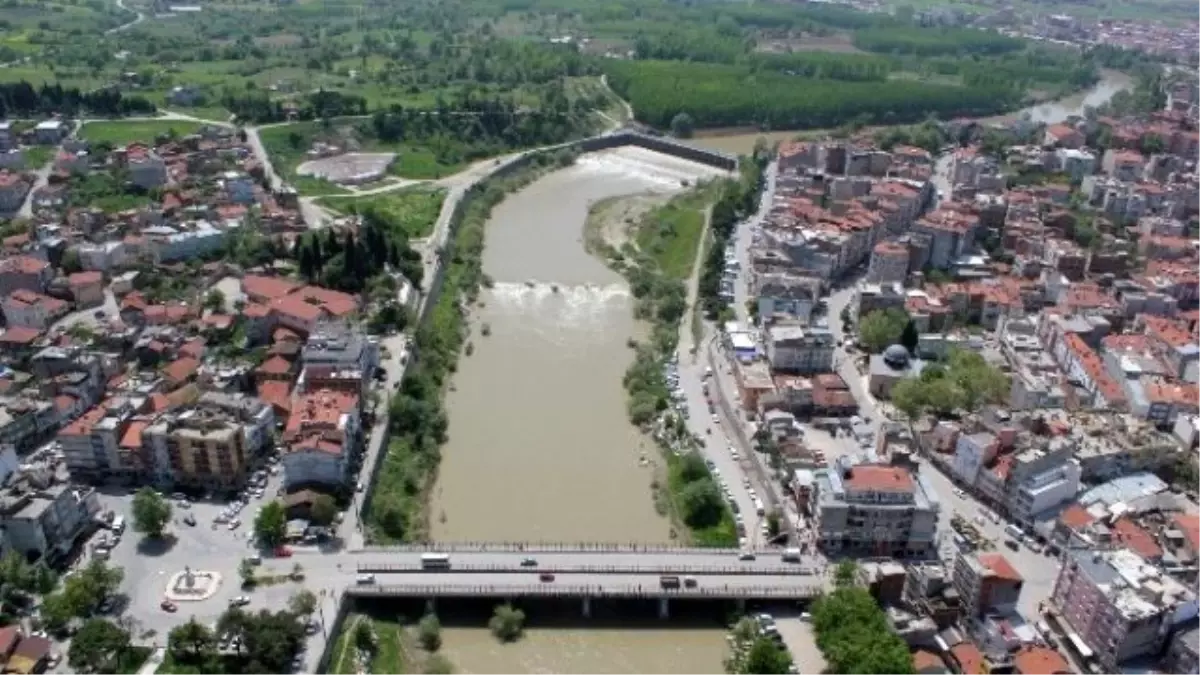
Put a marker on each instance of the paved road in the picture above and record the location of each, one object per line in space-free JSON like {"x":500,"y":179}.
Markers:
{"x":42,"y":177}
{"x":87,"y":316}
{"x":140,"y":18}
{"x":418,"y":585}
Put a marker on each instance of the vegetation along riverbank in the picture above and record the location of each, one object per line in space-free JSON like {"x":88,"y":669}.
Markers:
{"x":397,"y":511}
{"x":653,"y":241}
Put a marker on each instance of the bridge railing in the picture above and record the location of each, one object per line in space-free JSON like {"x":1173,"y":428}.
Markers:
{"x":579,"y":591}
{"x":696,"y":570}
{"x":544,"y":547}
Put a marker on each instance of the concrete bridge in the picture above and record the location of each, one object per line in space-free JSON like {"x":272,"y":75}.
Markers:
{"x":586,"y":588}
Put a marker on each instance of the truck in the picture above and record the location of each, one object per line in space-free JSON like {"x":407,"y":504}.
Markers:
{"x":669,"y":582}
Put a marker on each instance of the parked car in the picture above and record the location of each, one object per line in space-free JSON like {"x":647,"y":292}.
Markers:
{"x":189,"y":520}
{"x":168,"y":606}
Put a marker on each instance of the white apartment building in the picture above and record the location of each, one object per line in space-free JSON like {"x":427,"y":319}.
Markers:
{"x":799,"y":349}
{"x":874,"y":509}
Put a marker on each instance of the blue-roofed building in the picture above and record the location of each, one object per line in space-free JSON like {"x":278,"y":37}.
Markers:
{"x":1124,"y":489}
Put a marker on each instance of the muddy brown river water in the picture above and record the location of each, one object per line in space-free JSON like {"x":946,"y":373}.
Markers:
{"x":540,"y":447}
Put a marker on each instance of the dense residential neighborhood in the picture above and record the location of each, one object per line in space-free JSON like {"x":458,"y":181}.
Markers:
{"x":982,"y":364}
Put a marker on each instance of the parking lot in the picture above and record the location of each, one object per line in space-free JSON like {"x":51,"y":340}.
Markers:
{"x":206,"y":547}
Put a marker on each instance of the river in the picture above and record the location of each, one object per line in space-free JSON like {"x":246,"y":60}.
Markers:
{"x":540,"y":446}
{"x":1050,"y":112}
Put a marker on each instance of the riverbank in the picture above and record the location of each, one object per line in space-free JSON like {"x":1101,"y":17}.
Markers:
{"x":399,"y":509}
{"x":741,"y":140}
{"x":655,"y":246}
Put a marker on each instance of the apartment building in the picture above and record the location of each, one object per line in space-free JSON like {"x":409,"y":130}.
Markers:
{"x":24,"y":422}
{"x":203,"y":447}
{"x":800,"y":349}
{"x":91,"y":444}
{"x":41,"y":515}
{"x":321,"y":436}
{"x":1117,"y":606}
{"x":889,"y":263}
{"x":32,"y":310}
{"x":146,"y":168}
{"x":1042,"y":477}
{"x":986,"y":583}
{"x":334,"y":347}
{"x":790,"y":295}
{"x":874,"y":509}
{"x":23,"y":272}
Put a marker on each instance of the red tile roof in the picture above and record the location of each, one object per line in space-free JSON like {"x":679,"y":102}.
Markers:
{"x":1189,"y":524}
{"x":269,"y":288}
{"x":875,"y":478}
{"x":999,"y":565}
{"x":322,"y":408}
{"x":132,"y":438}
{"x":970,"y":659}
{"x":1129,"y":534}
{"x":181,"y":369}
{"x":1075,"y":517}
{"x":84,"y":279}
{"x":276,"y":365}
{"x":22,"y":264}
{"x":1040,"y":661}
{"x":278,"y":393}
{"x":19,"y":335}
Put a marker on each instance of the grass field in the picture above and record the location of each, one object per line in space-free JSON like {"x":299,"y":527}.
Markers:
{"x":288,"y":143}
{"x":120,"y":133}
{"x":671,"y":233}
{"x":413,"y":211}
{"x":37,"y":156}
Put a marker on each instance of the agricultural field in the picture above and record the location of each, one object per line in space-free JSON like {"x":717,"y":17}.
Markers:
{"x":124,"y":132}
{"x":533,"y":75}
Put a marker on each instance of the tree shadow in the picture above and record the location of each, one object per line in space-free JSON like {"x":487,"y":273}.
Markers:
{"x":157,"y":546}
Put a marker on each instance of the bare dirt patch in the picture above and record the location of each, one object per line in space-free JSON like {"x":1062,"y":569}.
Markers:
{"x":278,"y":40}
{"x":839,"y":43}
{"x":351,"y":168}
{"x":610,"y":221}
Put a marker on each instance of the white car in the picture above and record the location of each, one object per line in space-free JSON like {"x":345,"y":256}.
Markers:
{"x":715,"y":419}
{"x":958,"y":492}
{"x":235,"y":524}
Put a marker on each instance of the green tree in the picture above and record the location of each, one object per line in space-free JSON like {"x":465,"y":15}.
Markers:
{"x":97,"y":646}
{"x":215,"y":300}
{"x":56,"y":612}
{"x":95,"y":583}
{"x":846,"y":573}
{"x":151,"y":512}
{"x":364,"y":636}
{"x":766,"y":656}
{"x":270,"y":525}
{"x":302,"y":602}
{"x":853,"y":634}
{"x":701,"y":504}
{"x":682,"y":125}
{"x":247,"y":573}
{"x":191,"y":641}
{"x":507,"y":623}
{"x":881,"y":329}
{"x":429,"y":633}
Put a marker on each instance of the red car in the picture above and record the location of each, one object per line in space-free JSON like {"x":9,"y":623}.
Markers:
{"x":283,"y":552}
{"x":168,"y":606}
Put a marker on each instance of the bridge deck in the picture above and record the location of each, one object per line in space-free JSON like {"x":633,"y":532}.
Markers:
{"x":556,"y":567}
{"x":551,"y":590}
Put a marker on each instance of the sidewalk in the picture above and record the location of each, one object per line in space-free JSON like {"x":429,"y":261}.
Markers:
{"x":150,"y":667}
